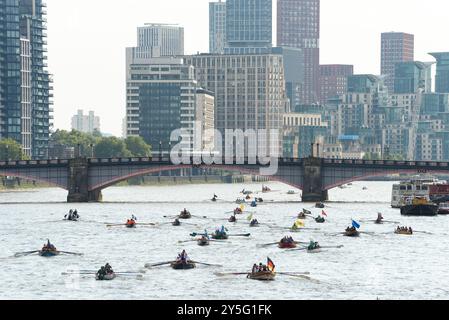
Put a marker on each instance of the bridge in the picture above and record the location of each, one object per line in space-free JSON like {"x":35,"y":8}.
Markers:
{"x":85,"y":178}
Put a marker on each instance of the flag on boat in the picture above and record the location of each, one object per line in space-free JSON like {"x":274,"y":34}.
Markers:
{"x":250,"y":217}
{"x":270,"y":265}
{"x":355,"y":224}
{"x":324,"y":213}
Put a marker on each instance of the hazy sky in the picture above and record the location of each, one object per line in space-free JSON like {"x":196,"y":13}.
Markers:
{"x":87,"y":41}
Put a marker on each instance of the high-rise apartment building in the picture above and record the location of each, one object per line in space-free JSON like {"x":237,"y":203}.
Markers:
{"x":298,"y":26}
{"x":159,"y":93}
{"x":217,"y":27}
{"x":161,"y":98}
{"x":412,"y":77}
{"x":249,"y":90}
{"x":25,"y":85}
{"x":248,"y":26}
{"x":395,"y":47}
{"x":86,"y":123}
{"x":334,"y":80}
{"x":442,"y":75}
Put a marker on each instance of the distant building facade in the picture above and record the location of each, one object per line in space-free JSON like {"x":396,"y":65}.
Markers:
{"x":334,"y":80}
{"x":442,"y":73}
{"x":395,"y":47}
{"x":249,"y":90}
{"x":205,"y":120}
{"x":86,"y":123}
{"x":217,"y":27}
{"x":161,"y":99}
{"x":298,"y":26}
{"x":248,"y":26}
{"x":413,"y":76}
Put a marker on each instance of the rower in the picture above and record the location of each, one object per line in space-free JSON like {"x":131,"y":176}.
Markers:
{"x":108,"y":268}
{"x":101,"y":273}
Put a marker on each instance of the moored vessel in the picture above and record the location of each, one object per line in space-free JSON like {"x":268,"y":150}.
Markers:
{"x":419,"y":206}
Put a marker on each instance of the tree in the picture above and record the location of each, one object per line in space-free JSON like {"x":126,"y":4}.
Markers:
{"x":138,"y":147}
{"x":11,"y":150}
{"x":111,"y":147}
{"x":75,"y":138}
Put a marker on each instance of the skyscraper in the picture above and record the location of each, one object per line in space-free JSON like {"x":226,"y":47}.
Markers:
{"x":442,"y":75}
{"x":217,"y":27}
{"x":249,"y":91}
{"x":248,"y":26}
{"x":298,"y":26}
{"x":25,"y":97}
{"x":395,"y":47}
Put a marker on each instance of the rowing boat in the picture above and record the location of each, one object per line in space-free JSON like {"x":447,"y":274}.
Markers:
{"x":320,"y":205}
{"x":262,"y":276}
{"x":352,"y":233}
{"x":404,"y":232}
{"x":287,"y":245}
{"x":220,"y":236}
{"x":316,"y":250}
{"x":106,"y":277}
{"x":185,"y":215}
{"x":320,"y":220}
{"x":302,"y":216}
{"x":48,"y":253}
{"x":180,"y":265}
{"x":131,"y":224}
{"x":254,"y":223}
{"x":203,"y":242}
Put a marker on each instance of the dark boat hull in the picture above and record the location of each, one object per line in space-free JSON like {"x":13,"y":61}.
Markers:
{"x":220,"y":237}
{"x":107,"y":277}
{"x":48,"y":253}
{"x":262,"y":276}
{"x":443,"y":212}
{"x":287,"y":245}
{"x":183,"y":266}
{"x":203,"y":243}
{"x":420,"y":210}
{"x":352,"y":234}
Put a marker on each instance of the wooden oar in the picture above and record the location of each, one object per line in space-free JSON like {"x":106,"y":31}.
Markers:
{"x":207,"y":264}
{"x":146,"y":224}
{"x":116,"y":225}
{"x":148,"y":265}
{"x":202,"y":217}
{"x":221,"y":274}
{"x":239,"y":235}
{"x":72,"y":253}
{"x":21,"y":254}
{"x":267,"y":244}
{"x":333,"y":247}
{"x":294,"y":275}
{"x":187,"y":241}
{"x":425,"y":232}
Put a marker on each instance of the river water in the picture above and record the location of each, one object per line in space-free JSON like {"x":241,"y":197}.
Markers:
{"x":378,"y":265}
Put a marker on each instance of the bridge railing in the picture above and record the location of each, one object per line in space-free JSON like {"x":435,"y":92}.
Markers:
{"x":17,"y":163}
{"x":387,"y":162}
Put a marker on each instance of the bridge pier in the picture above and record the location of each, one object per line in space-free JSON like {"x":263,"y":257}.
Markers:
{"x":78,"y":179}
{"x":313,"y":181}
